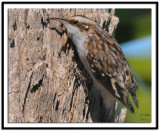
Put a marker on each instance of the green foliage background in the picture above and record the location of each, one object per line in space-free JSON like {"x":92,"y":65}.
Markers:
{"x":135,"y":24}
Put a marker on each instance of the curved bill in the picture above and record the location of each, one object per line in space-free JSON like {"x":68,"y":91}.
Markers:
{"x":60,"y":20}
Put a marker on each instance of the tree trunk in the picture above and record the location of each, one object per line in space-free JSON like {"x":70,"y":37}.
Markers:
{"x":45,"y":72}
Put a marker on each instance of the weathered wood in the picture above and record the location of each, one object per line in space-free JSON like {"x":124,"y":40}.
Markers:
{"x":44,"y":85}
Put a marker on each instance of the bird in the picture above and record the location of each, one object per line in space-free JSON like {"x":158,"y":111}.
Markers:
{"x":103,"y":59}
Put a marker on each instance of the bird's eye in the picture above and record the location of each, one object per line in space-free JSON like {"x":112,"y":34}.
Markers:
{"x":76,"y":22}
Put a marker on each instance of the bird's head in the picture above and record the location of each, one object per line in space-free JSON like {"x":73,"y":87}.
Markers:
{"x":76,"y":24}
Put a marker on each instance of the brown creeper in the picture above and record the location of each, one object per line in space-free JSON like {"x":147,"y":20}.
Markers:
{"x":104,"y":60}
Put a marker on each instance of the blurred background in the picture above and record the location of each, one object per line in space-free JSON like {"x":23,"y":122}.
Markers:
{"x":134,"y":35}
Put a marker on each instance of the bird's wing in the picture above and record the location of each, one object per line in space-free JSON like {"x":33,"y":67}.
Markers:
{"x":111,"y":68}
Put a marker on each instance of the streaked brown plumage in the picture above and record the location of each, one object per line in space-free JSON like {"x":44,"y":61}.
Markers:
{"x":103,"y":58}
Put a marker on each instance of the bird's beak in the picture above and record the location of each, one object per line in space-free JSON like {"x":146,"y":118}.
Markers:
{"x":64,"y":21}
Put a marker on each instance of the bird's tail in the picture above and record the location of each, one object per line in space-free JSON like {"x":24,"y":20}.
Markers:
{"x":133,"y":94}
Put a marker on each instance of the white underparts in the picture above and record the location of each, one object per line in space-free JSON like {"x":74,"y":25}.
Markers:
{"x":79,"y":39}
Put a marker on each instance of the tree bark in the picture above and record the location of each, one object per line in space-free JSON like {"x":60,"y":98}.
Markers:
{"x":45,"y":72}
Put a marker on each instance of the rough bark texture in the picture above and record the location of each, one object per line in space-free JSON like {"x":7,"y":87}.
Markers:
{"x":44,"y":80}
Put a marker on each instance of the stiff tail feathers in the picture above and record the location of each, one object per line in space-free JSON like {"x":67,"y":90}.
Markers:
{"x":135,"y":99}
